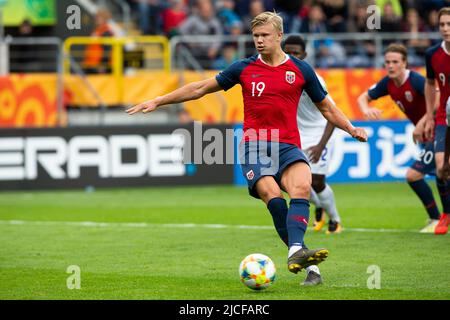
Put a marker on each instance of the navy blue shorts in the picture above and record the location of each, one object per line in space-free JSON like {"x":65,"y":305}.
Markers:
{"x":426,"y":163}
{"x":262,"y":158}
{"x":439,"y":138}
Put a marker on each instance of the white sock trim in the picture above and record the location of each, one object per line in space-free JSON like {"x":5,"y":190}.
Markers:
{"x":293,"y":249}
{"x":328,"y":203}
{"x":314,"y":199}
{"x":313,"y":268}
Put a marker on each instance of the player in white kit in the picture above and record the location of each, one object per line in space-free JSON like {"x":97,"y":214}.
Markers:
{"x":316,"y":139}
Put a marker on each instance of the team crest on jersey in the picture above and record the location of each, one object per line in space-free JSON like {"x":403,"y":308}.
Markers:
{"x":408,"y":96}
{"x":250,"y":175}
{"x":290,"y":77}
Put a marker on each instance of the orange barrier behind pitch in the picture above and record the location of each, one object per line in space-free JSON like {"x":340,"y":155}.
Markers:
{"x":30,"y":100}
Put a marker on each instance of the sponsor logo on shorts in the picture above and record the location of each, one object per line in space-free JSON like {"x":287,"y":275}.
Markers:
{"x":250,"y":175}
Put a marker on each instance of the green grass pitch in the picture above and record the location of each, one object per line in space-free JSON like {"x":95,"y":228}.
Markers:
{"x":187,"y":243}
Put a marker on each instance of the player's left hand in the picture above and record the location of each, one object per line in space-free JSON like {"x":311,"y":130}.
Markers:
{"x":314,"y":153}
{"x":359,"y":134}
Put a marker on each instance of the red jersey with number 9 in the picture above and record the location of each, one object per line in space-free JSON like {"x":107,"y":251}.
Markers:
{"x":438,"y":68}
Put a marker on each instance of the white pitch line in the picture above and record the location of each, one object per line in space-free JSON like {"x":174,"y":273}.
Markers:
{"x":172,"y":225}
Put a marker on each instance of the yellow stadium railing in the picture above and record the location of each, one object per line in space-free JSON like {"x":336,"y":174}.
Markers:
{"x":117,"y":45}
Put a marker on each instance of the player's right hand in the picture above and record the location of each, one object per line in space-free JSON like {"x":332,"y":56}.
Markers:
{"x":429,"y":128}
{"x":418,"y":135}
{"x":144,"y":107}
{"x":314,"y":153}
{"x":372,"y":113}
{"x":359,"y":134}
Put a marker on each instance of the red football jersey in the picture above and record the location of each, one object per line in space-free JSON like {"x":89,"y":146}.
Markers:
{"x":271,"y":96}
{"x":438,"y":68}
{"x":409,"y":96}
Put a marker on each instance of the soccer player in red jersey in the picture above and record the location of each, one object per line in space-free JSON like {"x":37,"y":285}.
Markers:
{"x":270,"y":151}
{"x":438,"y":70}
{"x":406,"y":88}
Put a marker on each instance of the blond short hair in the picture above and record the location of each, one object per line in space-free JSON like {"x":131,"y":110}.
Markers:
{"x":268,"y":17}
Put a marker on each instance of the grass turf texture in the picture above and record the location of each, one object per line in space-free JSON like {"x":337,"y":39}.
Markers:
{"x":162,"y":262}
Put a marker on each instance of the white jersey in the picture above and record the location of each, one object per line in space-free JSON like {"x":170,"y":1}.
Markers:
{"x":310,"y":120}
{"x":311,"y":124}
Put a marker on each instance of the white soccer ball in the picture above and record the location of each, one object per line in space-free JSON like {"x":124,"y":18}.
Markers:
{"x":257,"y":271}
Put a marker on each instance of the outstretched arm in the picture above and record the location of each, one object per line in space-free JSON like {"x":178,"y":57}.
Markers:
{"x":336,"y":117}
{"x":190,"y":91}
{"x":430,"y":99}
{"x":369,"y":112}
{"x":419,"y":130}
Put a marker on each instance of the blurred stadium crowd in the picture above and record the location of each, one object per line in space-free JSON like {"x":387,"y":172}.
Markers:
{"x":231,"y":18}
{"x":305,"y":16}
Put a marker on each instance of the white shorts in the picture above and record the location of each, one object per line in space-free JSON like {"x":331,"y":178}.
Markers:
{"x":320,"y":167}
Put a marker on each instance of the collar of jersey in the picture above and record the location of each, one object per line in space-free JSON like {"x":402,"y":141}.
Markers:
{"x":408,"y":72}
{"x":283,"y":62}
{"x":443,"y":48}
